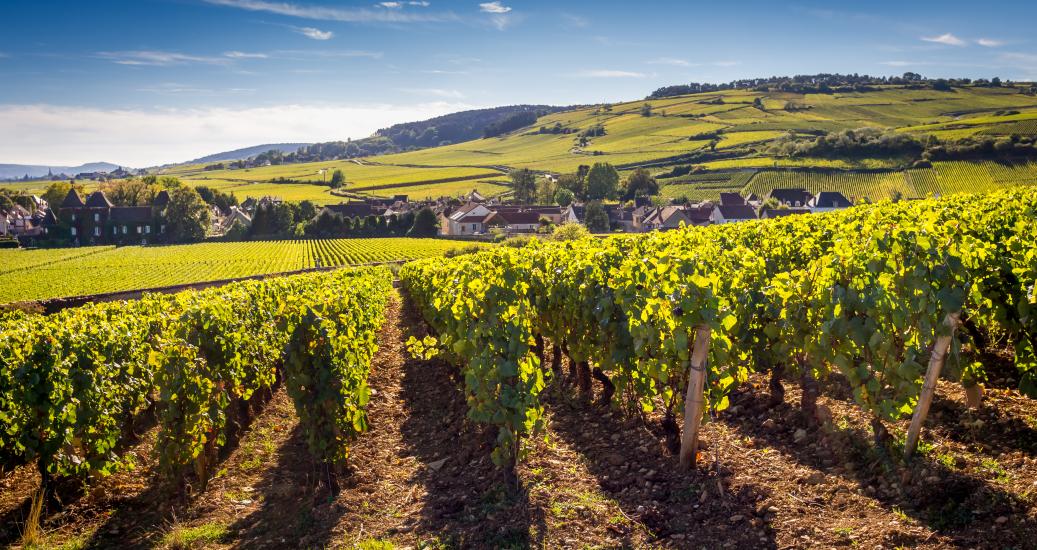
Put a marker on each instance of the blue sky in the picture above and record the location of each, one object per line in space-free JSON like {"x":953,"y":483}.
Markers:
{"x":155,"y":81}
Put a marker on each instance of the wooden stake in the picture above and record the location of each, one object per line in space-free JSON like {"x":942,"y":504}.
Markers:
{"x":936,"y":362}
{"x":695,"y":399}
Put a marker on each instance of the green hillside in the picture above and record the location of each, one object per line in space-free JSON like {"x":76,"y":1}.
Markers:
{"x":725,"y":138}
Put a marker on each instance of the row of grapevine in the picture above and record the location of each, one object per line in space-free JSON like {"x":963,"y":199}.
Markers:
{"x":865,"y":292}
{"x":72,"y":384}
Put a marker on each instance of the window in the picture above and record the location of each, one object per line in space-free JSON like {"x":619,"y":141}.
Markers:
{"x":73,"y":231}
{"x":73,"y":216}
{"x":97,"y":231}
{"x":97,"y":216}
{"x":139,"y":230}
{"x":115,"y":230}
{"x":147,"y":229}
{"x":162,"y":228}
{"x":473,"y":228}
{"x":124,"y":230}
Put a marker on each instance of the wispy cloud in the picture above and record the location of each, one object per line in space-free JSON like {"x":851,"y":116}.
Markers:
{"x":172,"y":88}
{"x":990,"y":42}
{"x":670,"y":61}
{"x":946,"y":38}
{"x":435,"y":92}
{"x":500,"y":15}
{"x":575,"y":21}
{"x":441,"y":71}
{"x":159,"y":58}
{"x":726,"y":63}
{"x":245,"y":55}
{"x":316,"y":34}
{"x":608,"y":73}
{"x":391,"y":5}
{"x":494,"y":7}
{"x":326,"y":13}
{"x":303,"y":54}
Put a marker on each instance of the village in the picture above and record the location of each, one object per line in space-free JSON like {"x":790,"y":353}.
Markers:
{"x":96,"y":220}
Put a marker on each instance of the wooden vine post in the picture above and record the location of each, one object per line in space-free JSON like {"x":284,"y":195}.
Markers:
{"x":932,"y":374}
{"x":695,"y":399}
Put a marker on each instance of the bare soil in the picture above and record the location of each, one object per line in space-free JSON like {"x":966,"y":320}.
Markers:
{"x":422,"y":478}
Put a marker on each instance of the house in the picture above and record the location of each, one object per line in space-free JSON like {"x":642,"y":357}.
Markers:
{"x":826,"y":201}
{"x":514,"y":222}
{"x":793,"y":197}
{"x":470,"y":219}
{"x":771,"y":213}
{"x":235,"y":215}
{"x":97,"y":221}
{"x":729,"y":213}
{"x":665,"y":217}
{"x":729,"y":199}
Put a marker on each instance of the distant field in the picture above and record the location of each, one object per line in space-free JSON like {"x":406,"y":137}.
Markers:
{"x":41,"y":274}
{"x":944,"y":178}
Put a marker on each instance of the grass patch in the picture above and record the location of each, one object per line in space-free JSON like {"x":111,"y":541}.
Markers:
{"x":182,"y":538}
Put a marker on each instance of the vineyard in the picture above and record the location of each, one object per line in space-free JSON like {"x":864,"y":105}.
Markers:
{"x":43,"y":274}
{"x":944,"y":178}
{"x":866,"y":374}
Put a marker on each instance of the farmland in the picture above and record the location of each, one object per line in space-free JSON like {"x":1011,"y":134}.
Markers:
{"x":678,"y":129}
{"x":42,"y":274}
{"x":539,"y":391}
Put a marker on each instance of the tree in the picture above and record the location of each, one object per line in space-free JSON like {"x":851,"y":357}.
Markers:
{"x":524,"y":185}
{"x":338,"y":179}
{"x":570,"y":232}
{"x":573,"y":184}
{"x":640,"y":183}
{"x":646,"y":110}
{"x":602,"y":182}
{"x":564,"y":197}
{"x":306,"y":212}
{"x":186,"y":216}
{"x":425,"y":224}
{"x":133,"y":192}
{"x":57,"y":191}
{"x":595,"y":218}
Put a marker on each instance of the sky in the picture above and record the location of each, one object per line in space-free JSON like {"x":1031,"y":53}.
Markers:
{"x":150,"y":82}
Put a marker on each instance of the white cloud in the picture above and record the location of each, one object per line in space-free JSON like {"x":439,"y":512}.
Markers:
{"x":494,"y":7}
{"x":670,"y":61}
{"x":947,"y":38}
{"x":58,"y":135}
{"x":419,"y":3}
{"x":990,"y":42}
{"x":324,"y":13}
{"x":391,"y":5}
{"x":436,"y":92}
{"x":245,"y":55}
{"x":606,"y":73}
{"x":316,"y":34}
{"x":159,"y":58}
{"x":899,"y":63}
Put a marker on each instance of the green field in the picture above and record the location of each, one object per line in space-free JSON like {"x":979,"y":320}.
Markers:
{"x":42,"y":274}
{"x":944,"y":178}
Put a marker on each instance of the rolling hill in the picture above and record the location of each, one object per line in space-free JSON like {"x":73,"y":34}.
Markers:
{"x":699,"y":145}
{"x":244,"y":153}
{"x":14,"y":171}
